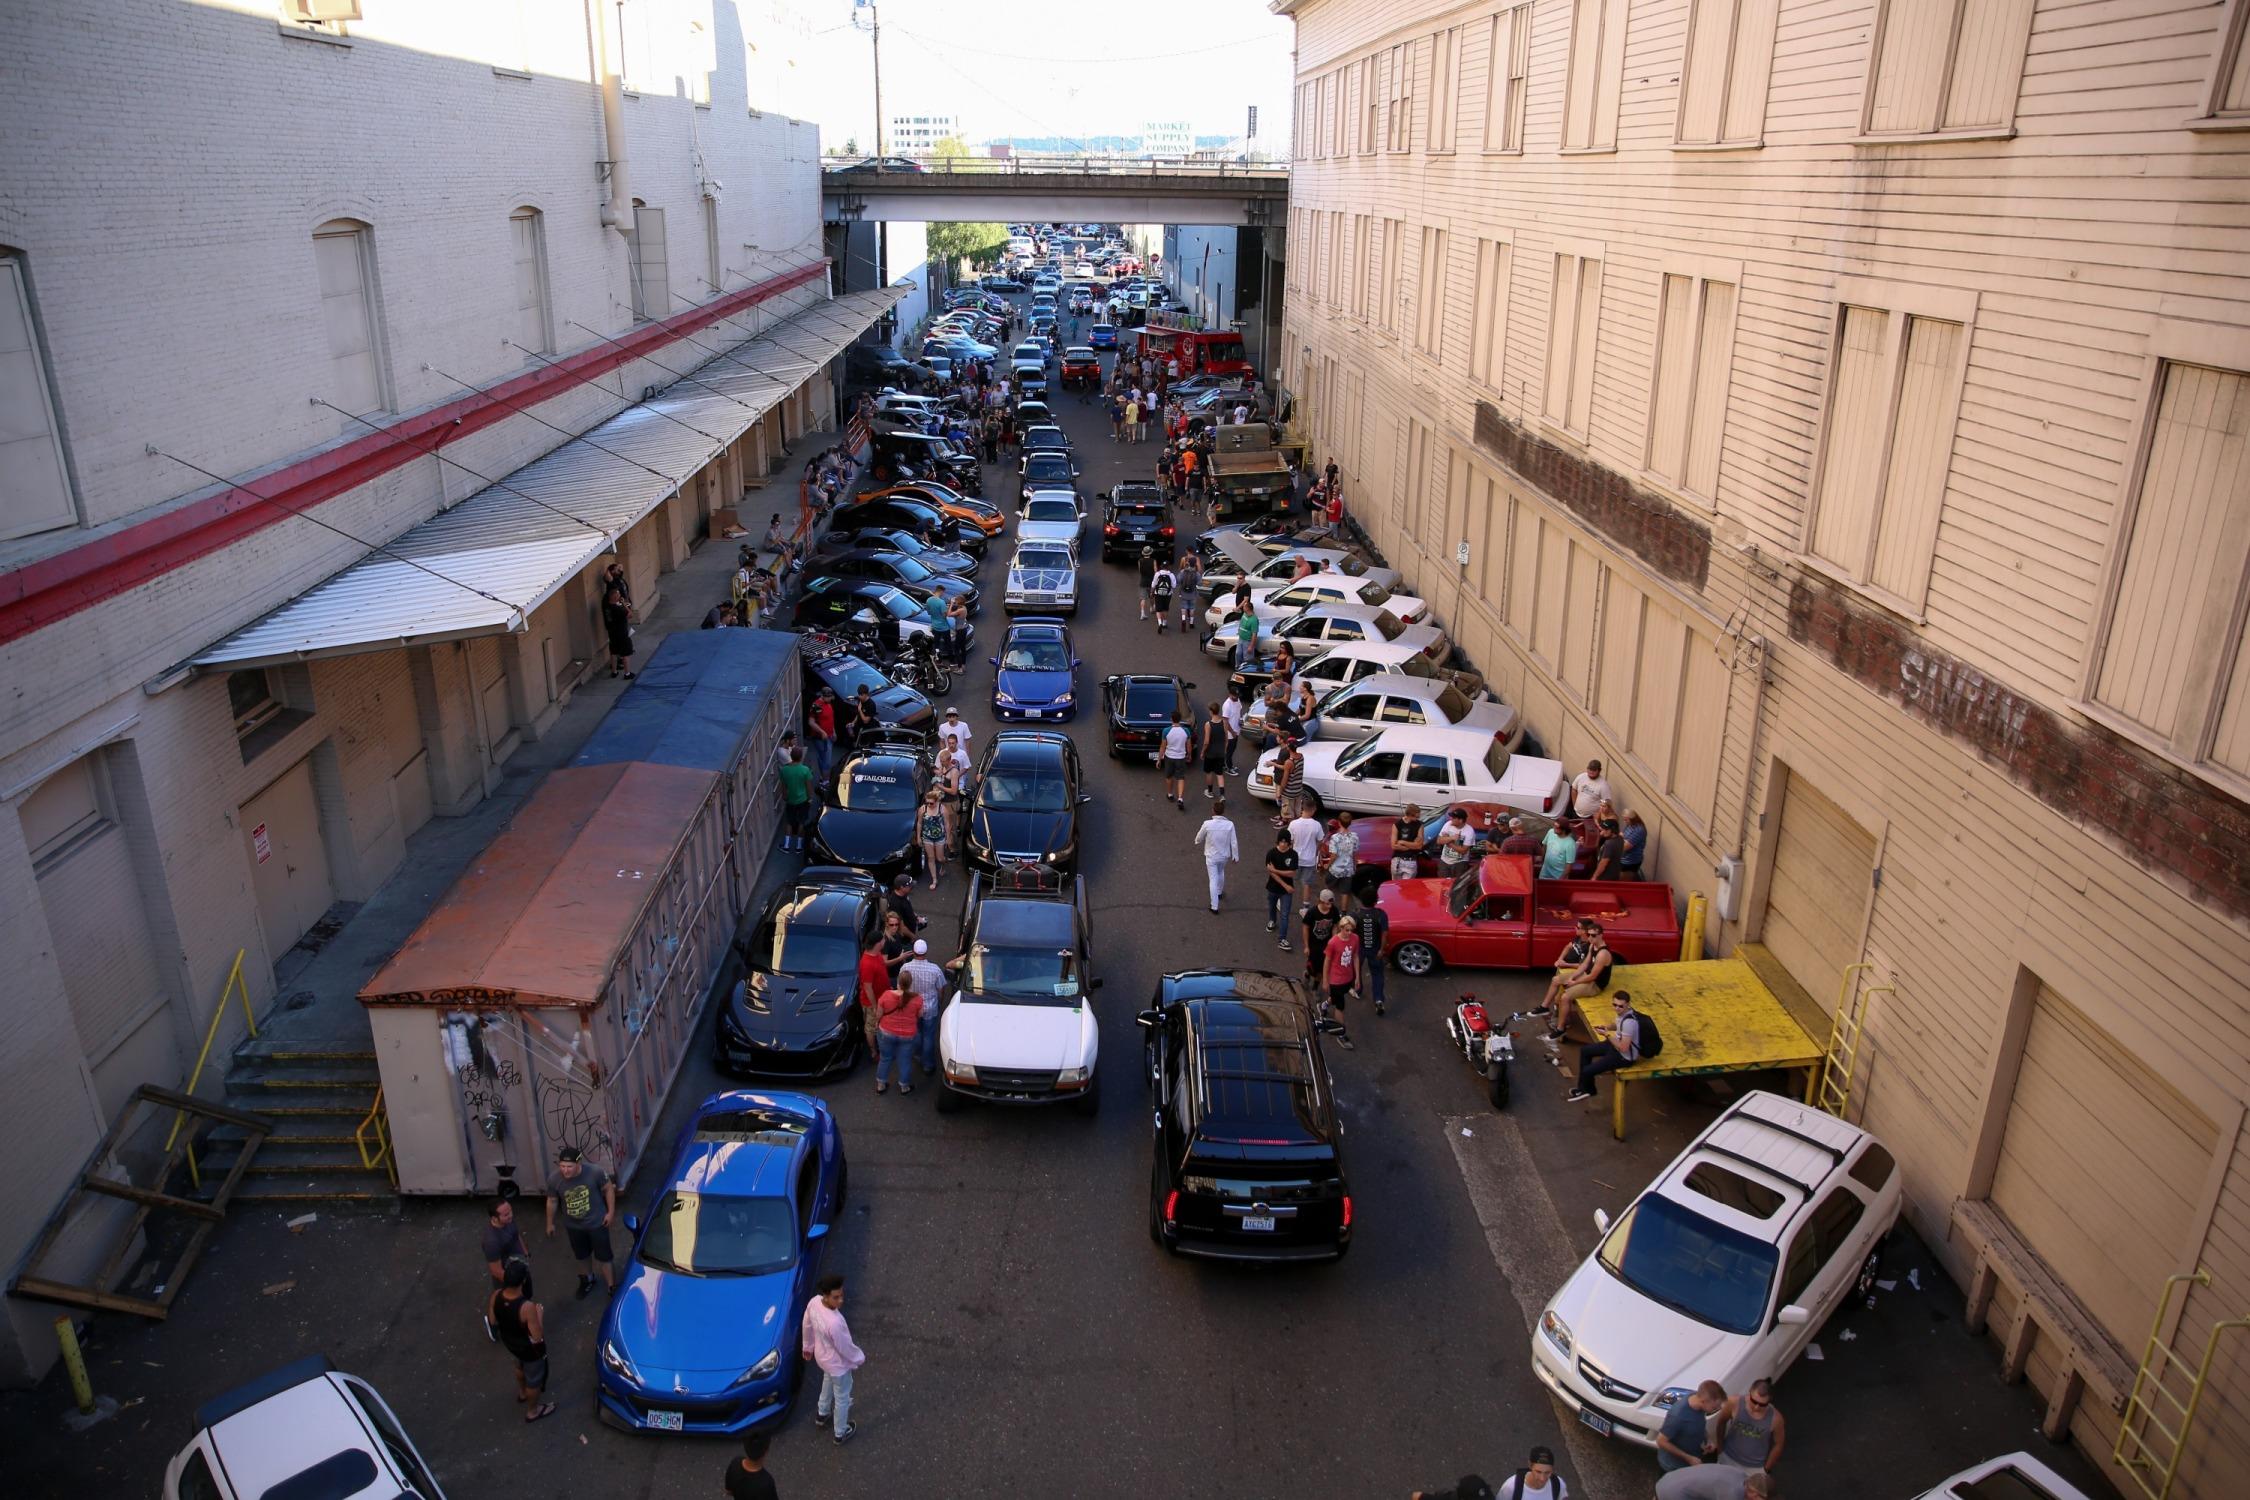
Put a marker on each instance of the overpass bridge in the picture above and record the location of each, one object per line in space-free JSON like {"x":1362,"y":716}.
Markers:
{"x":1093,"y":189}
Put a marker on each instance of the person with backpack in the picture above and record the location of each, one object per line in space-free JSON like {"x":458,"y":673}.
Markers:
{"x":1627,"y":1039}
{"x":1160,"y":588}
{"x":1536,"y":1480}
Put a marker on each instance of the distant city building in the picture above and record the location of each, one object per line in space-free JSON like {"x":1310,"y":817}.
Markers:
{"x":1167,"y":138}
{"x":909,"y":134}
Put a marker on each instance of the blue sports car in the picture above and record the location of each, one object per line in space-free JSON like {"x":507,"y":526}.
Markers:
{"x":702,"y":1333}
{"x":1038,"y":671}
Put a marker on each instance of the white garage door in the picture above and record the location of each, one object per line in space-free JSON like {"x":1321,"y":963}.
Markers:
{"x":1816,"y":902}
{"x":2101,"y":1167}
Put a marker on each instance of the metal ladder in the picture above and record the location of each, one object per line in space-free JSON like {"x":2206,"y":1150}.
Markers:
{"x":2148,"y":1451}
{"x":1846,"y":1029}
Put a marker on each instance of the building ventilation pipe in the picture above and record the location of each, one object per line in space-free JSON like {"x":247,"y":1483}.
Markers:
{"x":617,"y":213}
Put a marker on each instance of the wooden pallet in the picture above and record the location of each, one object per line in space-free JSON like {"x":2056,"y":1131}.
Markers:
{"x":96,"y":1293}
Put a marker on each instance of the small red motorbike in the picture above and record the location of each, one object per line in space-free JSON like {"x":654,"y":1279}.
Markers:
{"x":1485,"y":1042}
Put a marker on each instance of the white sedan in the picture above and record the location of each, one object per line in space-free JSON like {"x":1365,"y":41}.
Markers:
{"x":1351,"y":709}
{"x":1050,"y":516}
{"x":1279,"y":602}
{"x":1420,"y":764}
{"x":1723,"y":1269}
{"x":1043,"y":578}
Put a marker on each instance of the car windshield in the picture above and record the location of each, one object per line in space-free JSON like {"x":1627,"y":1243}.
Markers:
{"x":1389,"y":626}
{"x":897,"y":603}
{"x":884,"y":785}
{"x":1467,"y":890}
{"x":1051,"y":509}
{"x":1047,"y":466}
{"x":908,"y":569}
{"x":1035,"y":654}
{"x":1043,"y":557}
{"x":1023,"y":789}
{"x":847,"y":674}
{"x":1671,"y":1254}
{"x":1033,"y":975}
{"x":707,"y":1234}
{"x":802,"y":950}
{"x":1358,"y":752}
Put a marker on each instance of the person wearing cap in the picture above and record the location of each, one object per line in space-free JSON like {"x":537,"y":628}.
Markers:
{"x":1456,"y":841}
{"x":1520,"y":839}
{"x":1319,"y":922}
{"x":924,"y":980}
{"x":1340,"y":963}
{"x":898,"y":1022}
{"x":900,"y":900}
{"x":587,"y":1197}
{"x":951,"y":728}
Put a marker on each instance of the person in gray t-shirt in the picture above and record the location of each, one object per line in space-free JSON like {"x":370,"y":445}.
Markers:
{"x":587,"y":1198}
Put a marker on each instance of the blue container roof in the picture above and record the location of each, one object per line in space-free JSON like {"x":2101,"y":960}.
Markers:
{"x":694,"y":700}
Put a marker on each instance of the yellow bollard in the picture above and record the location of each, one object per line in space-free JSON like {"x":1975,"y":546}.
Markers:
{"x":74,"y":1360}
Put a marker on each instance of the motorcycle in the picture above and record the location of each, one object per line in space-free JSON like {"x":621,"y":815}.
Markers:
{"x":1488,"y":1047}
{"x":918,"y":667}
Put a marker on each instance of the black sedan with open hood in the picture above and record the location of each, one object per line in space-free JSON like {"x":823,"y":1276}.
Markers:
{"x":796,"y":1013}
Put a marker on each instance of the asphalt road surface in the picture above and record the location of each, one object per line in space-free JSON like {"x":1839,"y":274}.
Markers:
{"x":1024,"y":1337}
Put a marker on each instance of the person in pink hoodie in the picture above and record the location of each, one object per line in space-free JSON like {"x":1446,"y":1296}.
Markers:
{"x":827,"y":1342}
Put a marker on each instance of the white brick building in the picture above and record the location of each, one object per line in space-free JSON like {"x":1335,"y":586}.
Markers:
{"x":222,"y":232}
{"x":912,"y":134}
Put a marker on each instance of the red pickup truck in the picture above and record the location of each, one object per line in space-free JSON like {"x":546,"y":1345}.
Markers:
{"x":1497,"y":915}
{"x":1489,"y":819}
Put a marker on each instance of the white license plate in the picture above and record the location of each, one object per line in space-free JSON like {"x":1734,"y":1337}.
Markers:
{"x":1260,"y":1222}
{"x":1595,"y":1420}
{"x":1033,"y":713}
{"x":666,"y":1421}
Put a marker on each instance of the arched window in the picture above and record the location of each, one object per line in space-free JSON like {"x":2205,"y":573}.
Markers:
{"x":344,"y":257}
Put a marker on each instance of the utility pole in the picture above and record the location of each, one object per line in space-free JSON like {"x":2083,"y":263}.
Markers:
{"x":875,"y":32}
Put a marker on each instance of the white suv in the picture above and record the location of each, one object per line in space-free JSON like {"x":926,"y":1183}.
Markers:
{"x":306,"y":1429}
{"x":1723,"y":1269}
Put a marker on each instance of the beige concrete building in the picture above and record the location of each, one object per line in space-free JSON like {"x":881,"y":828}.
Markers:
{"x":338,"y":359}
{"x":1836,"y":417}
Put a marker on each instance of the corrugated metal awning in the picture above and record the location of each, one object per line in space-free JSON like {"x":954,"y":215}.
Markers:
{"x":482,"y":567}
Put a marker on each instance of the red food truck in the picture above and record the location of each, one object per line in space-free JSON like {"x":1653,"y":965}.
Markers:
{"x":1198,"y":350}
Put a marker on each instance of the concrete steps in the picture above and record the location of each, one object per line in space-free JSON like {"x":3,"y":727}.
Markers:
{"x":317,"y":1101}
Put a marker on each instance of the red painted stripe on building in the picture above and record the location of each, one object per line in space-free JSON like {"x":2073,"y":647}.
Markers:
{"x":41,"y":593}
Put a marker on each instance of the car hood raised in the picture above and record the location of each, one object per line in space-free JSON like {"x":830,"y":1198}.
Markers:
{"x":991,"y":1035}
{"x":1022,"y":834}
{"x":1637,"y":1341}
{"x":696,"y":1335}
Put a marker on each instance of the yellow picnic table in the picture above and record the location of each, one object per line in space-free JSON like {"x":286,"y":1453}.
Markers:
{"x":1716,"y":1016}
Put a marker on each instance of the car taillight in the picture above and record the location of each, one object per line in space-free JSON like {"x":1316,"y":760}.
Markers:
{"x":1163,"y":531}
{"x":1172,"y":1206}
{"x":1113,"y":530}
{"x":1347,"y":1210}
{"x":1547,"y":803}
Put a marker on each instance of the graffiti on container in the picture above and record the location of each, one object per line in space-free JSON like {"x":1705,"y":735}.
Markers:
{"x":487,"y":1087}
{"x":573,"y":1116}
{"x":465,"y":995}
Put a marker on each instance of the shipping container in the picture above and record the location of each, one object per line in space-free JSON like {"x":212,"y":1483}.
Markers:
{"x":549,"y":997}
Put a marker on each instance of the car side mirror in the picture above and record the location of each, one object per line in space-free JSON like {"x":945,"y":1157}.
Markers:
{"x":994,"y":660}
{"x":632,"y":1223}
{"x":1792,"y":1315}
{"x":1601,"y":1220}
{"x":1189,"y":686}
{"x":817,"y":1231}
{"x":1075,"y":664}
{"x":1149,"y":1018}
{"x":1085,"y":797}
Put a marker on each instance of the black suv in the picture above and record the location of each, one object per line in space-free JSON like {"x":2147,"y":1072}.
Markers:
{"x":1139,"y":707}
{"x":1249,"y":1154}
{"x":1025,"y":806}
{"x":1135,"y":516}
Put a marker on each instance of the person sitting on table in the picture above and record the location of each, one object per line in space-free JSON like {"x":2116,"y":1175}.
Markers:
{"x":1587,"y":978}
{"x":1622,"y":1050}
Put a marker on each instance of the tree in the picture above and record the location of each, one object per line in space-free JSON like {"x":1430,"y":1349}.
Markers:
{"x":851,"y":145}
{"x":979,"y":244}
{"x":946,"y":148}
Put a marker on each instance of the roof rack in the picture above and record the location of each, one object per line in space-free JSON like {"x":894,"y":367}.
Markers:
{"x":1807,"y":1188}
{"x":1834,"y":1153}
{"x":1020,"y":877}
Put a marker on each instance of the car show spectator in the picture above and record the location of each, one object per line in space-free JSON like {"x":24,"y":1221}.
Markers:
{"x":1216,"y":838}
{"x":1622,"y":1050}
{"x":827,"y":1343}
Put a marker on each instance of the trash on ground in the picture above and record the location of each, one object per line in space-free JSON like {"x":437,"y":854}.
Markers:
{"x":1888,"y":1286}
{"x":1812,"y":1351}
{"x":279,"y":1287}
{"x":1846,"y":1336}
{"x":297,"y":1225}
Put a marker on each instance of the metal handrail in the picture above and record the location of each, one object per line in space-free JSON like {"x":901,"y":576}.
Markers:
{"x":210,"y":1035}
{"x":2151,"y":1469}
{"x":381,"y":1156}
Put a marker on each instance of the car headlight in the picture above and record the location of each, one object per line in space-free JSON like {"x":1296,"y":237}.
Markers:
{"x":1005,"y":700}
{"x":1070,"y":1078}
{"x":763,"y":1369}
{"x":960,"y":1072}
{"x":614,"y":1357}
{"x":1065,"y":698}
{"x":1670,"y":1396}
{"x":1556,"y":1330}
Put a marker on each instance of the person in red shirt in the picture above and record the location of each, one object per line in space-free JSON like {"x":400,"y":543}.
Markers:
{"x":1341,"y":963}
{"x":820,"y":729}
{"x":874,"y":978}
{"x":898,"y":1025}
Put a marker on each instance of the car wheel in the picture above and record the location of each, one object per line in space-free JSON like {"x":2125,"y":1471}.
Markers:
{"x":1113,"y":749}
{"x":1090,"y":1102}
{"x":947,"y":1101}
{"x":1416,"y":959}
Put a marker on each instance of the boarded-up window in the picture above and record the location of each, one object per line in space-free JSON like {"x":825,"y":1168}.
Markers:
{"x":527,"y":234}
{"x":1552,"y":592}
{"x":1384,"y":285}
{"x":1400,"y":136}
{"x":1429,"y":307}
{"x":1694,"y":355}
{"x":1887,"y":449}
{"x":652,"y":265}
{"x":1414,"y":478}
{"x":1946,"y":65}
{"x":342,"y":259}
{"x":1359,"y":267}
{"x":2171,"y":659}
{"x":1339,"y":271}
{"x":1488,"y":340}
{"x":1522,"y":588}
{"x":1507,"y":79}
{"x":1723,"y":80}
{"x":1445,"y":87}
{"x":1597,"y":67}
{"x":1488,"y":523}
{"x":34,"y":486}
{"x":63,"y":809}
{"x":2102,"y":1166}
{"x":1574,"y":654}
{"x":1618,"y":666}
{"x":1574,"y":317}
{"x":1661,"y":691}
{"x":1370,"y":103}
{"x":2230,"y":78}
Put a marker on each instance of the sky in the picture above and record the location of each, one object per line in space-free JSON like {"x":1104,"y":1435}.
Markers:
{"x":1064,"y":69}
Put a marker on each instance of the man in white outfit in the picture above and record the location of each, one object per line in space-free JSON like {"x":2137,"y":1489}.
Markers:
{"x":1216,"y":839}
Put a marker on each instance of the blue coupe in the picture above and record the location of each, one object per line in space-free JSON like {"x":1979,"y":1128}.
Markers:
{"x":702,"y":1333}
{"x":1038,"y":671}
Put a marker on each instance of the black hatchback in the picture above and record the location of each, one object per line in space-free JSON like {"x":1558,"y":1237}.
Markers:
{"x":1139,"y":708}
{"x":1248,"y":1151}
{"x":1135,"y":516}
